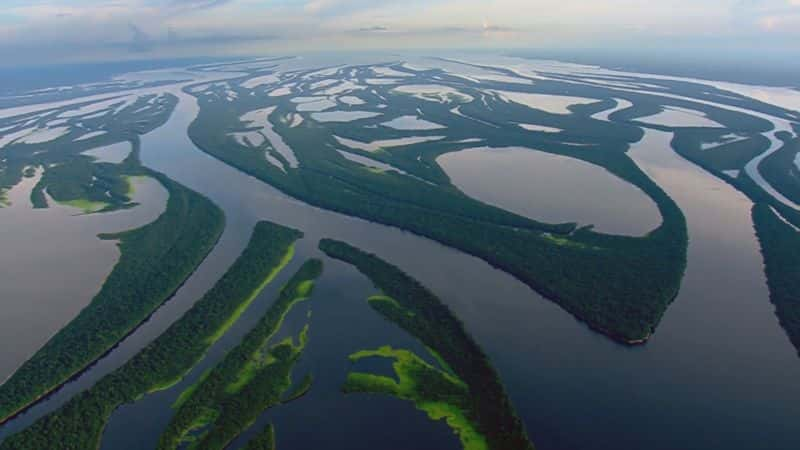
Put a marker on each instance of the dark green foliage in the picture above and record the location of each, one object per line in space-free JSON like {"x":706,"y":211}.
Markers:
{"x":235,"y":409}
{"x":434,"y":324}
{"x":780,"y":244}
{"x":732,"y":155}
{"x":154,"y":261}
{"x":265,"y":440}
{"x":79,"y":423}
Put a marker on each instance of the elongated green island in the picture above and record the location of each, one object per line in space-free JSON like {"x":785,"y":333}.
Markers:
{"x":465,"y":391}
{"x":252,"y":377}
{"x":80,"y":422}
{"x":780,"y":244}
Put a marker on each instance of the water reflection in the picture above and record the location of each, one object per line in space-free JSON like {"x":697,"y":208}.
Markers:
{"x":53,"y":263}
{"x":551,"y":188}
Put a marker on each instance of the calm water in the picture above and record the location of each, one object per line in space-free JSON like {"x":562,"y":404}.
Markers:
{"x":552,"y":188}
{"x":42,"y":287}
{"x":719,"y":372}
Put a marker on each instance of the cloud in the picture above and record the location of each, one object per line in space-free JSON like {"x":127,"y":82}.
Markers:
{"x":45,"y":28}
{"x":373,"y":29}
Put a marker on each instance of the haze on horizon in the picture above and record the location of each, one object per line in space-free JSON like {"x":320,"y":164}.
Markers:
{"x":46,"y":31}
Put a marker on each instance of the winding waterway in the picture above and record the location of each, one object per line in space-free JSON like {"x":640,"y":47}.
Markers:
{"x":718,"y":373}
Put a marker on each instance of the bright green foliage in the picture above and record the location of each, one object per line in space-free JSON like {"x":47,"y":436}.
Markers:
{"x":252,"y":377}
{"x":467,"y":391}
{"x":438,"y":393}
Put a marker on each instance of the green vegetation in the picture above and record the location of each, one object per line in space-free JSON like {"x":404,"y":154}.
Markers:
{"x":80,"y":422}
{"x":467,"y":391}
{"x":69,"y":175}
{"x":154,"y":261}
{"x":439,"y":394}
{"x":619,"y":285}
{"x":265,"y":440}
{"x":780,"y":244}
{"x":252,"y":377}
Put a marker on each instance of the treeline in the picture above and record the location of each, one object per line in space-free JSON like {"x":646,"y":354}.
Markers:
{"x":265,"y":440}
{"x":432,"y":322}
{"x":80,"y":422}
{"x":251,"y":378}
{"x":780,"y":245}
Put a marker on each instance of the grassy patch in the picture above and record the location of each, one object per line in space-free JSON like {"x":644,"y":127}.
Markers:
{"x":251,"y":378}
{"x":466,"y":392}
{"x":441,"y":395}
{"x":244,"y":305}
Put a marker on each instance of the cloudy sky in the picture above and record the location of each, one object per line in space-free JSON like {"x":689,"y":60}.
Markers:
{"x":36,"y":31}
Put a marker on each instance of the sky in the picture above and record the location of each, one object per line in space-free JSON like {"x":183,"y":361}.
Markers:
{"x":54,"y":31}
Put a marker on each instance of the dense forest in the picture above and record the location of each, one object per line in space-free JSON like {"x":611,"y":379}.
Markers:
{"x":253,"y":377}
{"x":80,"y":422}
{"x":418,"y":311}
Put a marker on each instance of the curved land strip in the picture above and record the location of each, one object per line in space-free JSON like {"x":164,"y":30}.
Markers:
{"x":619,"y":285}
{"x":154,"y":261}
{"x":780,"y":244}
{"x":466,"y":390}
{"x":253,"y":377}
{"x":79,"y":423}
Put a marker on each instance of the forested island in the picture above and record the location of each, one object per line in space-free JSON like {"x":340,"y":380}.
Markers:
{"x":465,"y":390}
{"x":253,"y":377}
{"x":80,"y":422}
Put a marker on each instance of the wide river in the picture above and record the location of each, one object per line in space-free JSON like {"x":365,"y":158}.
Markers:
{"x":718,"y":374}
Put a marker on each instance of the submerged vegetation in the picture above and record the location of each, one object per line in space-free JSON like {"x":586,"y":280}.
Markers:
{"x":253,"y":377}
{"x":466,"y":391}
{"x":80,"y":422}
